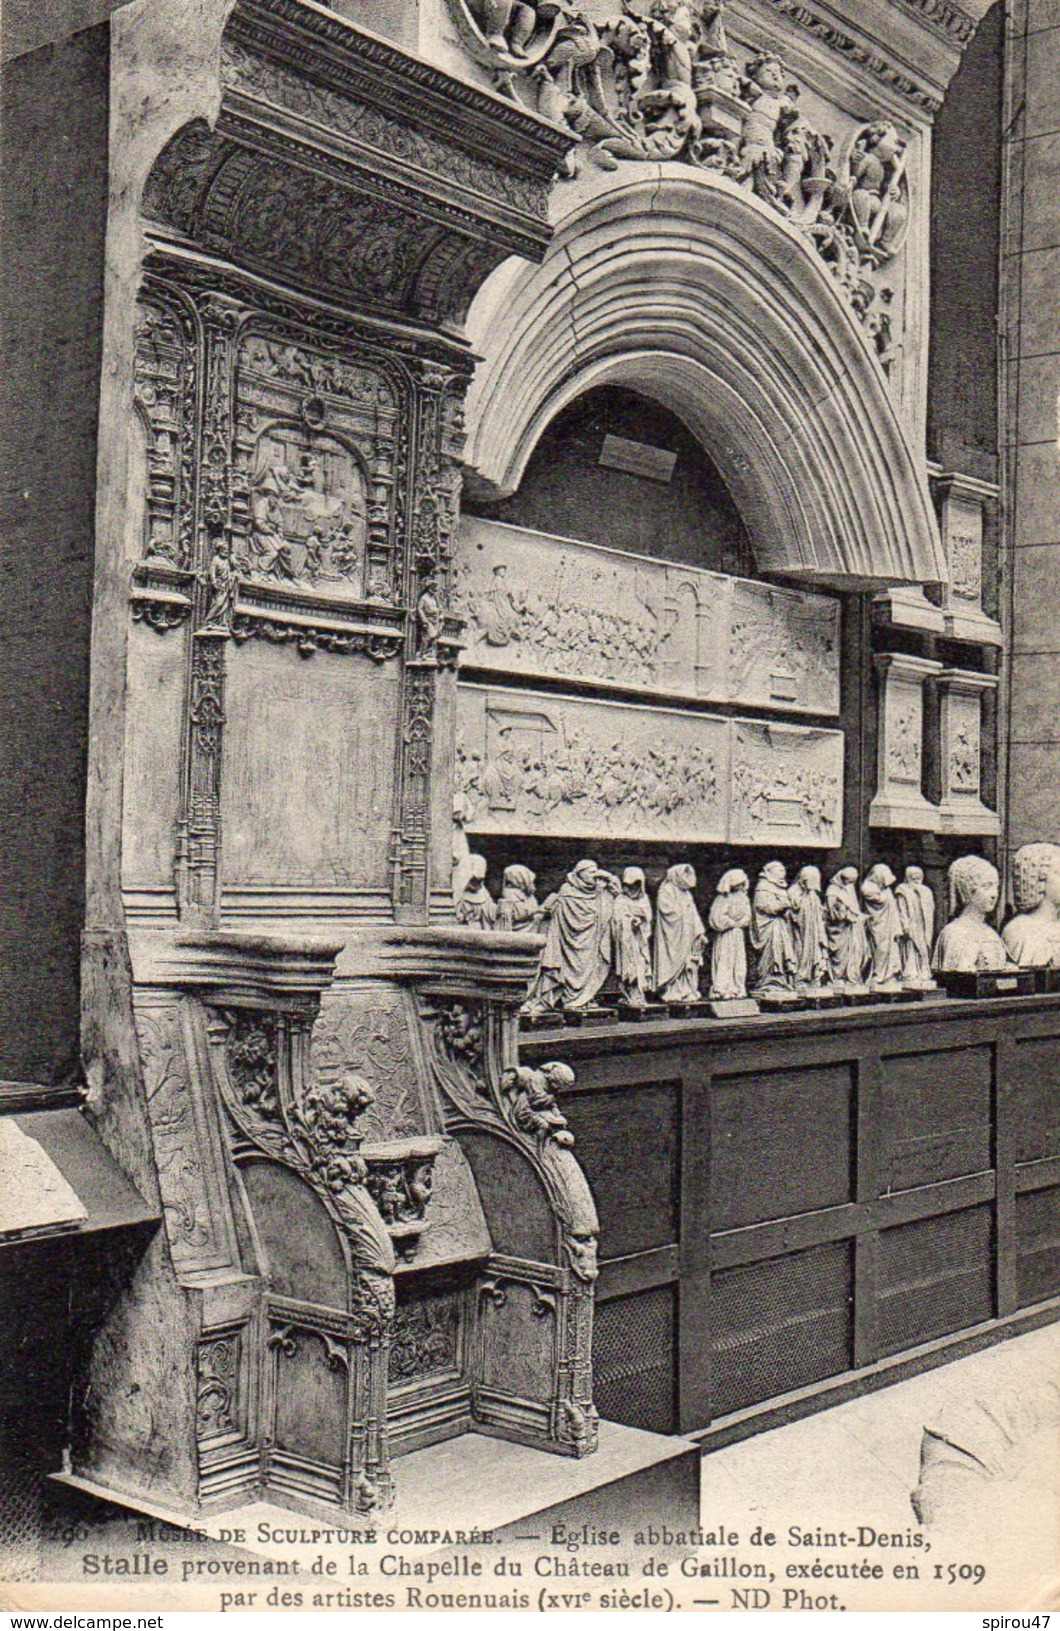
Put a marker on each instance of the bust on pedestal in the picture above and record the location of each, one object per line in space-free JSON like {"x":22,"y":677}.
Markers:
{"x":968,"y":945}
{"x":1032,"y":938}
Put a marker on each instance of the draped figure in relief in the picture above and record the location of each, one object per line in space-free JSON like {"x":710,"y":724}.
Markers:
{"x":631,"y":931}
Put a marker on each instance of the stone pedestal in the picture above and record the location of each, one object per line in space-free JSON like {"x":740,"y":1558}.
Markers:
{"x":961,"y":501}
{"x":961,"y":809}
{"x":899,"y":801}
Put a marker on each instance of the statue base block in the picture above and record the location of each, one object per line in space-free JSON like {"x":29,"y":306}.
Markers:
{"x":733,"y":1008}
{"x":1046,"y":980}
{"x":855,"y":996}
{"x":689,"y":1010}
{"x":822,"y":996}
{"x":650,"y":1011}
{"x":782,"y":1002}
{"x":1018,"y":982}
{"x":594,"y":1013}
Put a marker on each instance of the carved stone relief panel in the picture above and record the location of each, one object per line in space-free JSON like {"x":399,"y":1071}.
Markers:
{"x":531,"y":763}
{"x":787,"y":785}
{"x":425,"y":1340}
{"x":165,"y":375}
{"x":899,"y":801}
{"x":540,"y":605}
{"x":783,"y":649}
{"x":317,"y":443}
{"x":562,"y":767}
{"x":367,"y":1033}
{"x":309,"y":775}
{"x":198,"y":1227}
{"x":962,"y":501}
{"x":961,"y":696}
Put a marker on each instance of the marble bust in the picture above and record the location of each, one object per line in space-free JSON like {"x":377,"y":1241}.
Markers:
{"x":968,"y":943}
{"x":1032,"y":938}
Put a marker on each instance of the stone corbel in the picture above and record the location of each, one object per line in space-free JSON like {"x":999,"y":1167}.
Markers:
{"x":961,"y":809}
{"x":899,"y":801}
{"x":961,"y":501}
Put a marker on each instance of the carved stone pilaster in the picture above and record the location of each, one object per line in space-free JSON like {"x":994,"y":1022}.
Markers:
{"x":899,"y":801}
{"x":961,"y":696}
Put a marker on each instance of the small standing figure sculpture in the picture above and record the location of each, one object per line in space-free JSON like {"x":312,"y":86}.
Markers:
{"x":517,"y":909}
{"x":631,"y":937}
{"x":884,"y":925}
{"x":771,"y":937}
{"x":847,"y":937}
{"x":968,"y":944}
{"x":576,"y":957}
{"x":476,"y":907}
{"x":680,"y":938}
{"x":813,"y":968}
{"x":1032,"y":938}
{"x":730,"y":919}
{"x":916,"y":906}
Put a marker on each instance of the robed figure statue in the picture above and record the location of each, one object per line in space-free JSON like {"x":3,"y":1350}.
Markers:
{"x":631,"y":938}
{"x":847,"y":939}
{"x":730,"y":919}
{"x":680,"y":938}
{"x":771,"y":937}
{"x":813,"y":968}
{"x":884,"y":923}
{"x":916,"y":905}
{"x":576,"y":957}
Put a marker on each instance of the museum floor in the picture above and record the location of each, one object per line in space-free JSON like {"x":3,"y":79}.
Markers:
{"x":997,"y":1503}
{"x":990,"y":1497}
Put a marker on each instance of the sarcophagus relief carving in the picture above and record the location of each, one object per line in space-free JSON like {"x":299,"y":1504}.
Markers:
{"x":553,"y":608}
{"x":562,"y":766}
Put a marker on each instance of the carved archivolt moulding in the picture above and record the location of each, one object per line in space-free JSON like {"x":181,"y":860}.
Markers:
{"x":671,"y":283}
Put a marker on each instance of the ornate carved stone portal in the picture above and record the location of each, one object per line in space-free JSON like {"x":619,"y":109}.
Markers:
{"x":331,"y":1114}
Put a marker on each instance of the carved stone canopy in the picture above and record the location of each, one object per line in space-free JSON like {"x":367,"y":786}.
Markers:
{"x":350,"y":168}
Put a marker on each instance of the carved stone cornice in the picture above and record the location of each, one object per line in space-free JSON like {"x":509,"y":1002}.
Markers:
{"x":346,"y":167}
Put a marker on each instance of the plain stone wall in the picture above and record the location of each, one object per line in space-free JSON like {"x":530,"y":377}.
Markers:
{"x":54,"y":181}
{"x":965,"y":225}
{"x":1032,"y":271}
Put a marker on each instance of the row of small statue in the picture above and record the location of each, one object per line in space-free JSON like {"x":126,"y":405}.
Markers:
{"x":875,"y":937}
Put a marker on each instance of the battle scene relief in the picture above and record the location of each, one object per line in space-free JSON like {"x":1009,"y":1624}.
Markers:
{"x":527,"y":762}
{"x":559,"y":609}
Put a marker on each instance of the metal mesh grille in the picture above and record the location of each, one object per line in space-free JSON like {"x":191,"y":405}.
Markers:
{"x":935,"y":1277}
{"x":1037,"y":1246}
{"x":20,"y":1523}
{"x":780,"y":1324}
{"x":633,"y":1360}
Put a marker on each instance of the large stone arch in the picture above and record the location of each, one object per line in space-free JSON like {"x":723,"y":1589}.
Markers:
{"x":679,"y":285}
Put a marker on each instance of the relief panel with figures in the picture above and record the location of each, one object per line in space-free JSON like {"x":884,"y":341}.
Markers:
{"x":554,"y":608}
{"x":562,"y":767}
